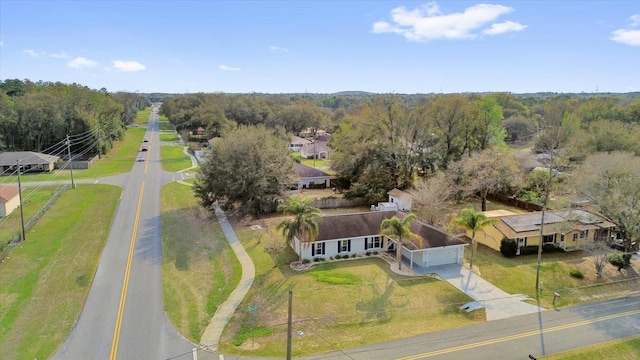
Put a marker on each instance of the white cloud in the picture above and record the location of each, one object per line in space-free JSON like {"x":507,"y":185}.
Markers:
{"x":504,"y":27}
{"x":81,"y":63}
{"x":627,"y":36}
{"x":278,"y":49}
{"x":228,"y":68}
{"x":428,"y":22}
{"x":33,"y":53}
{"x":1,"y":43}
{"x":59,"y":56}
{"x":128,"y":66}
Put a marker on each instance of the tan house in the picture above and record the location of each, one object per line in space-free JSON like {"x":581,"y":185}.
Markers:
{"x":9,"y":199}
{"x":315,"y":150}
{"x":565,"y":229}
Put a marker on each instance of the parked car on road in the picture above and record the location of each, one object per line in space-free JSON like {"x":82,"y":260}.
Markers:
{"x":618,"y":244}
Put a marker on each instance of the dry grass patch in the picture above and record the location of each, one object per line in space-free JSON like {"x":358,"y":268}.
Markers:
{"x":199,"y":269}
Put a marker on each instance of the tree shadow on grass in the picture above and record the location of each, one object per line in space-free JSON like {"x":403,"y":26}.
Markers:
{"x":379,"y":305}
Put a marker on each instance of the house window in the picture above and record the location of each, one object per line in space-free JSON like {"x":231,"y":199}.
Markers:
{"x":372,"y":242}
{"x":575,"y":237}
{"x":547,"y":239}
{"x":344,"y":245}
{"x":583,"y":234}
{"x":317,"y":249}
{"x":522,"y":242}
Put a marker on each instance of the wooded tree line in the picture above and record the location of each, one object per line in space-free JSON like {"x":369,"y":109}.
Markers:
{"x":36,"y":115}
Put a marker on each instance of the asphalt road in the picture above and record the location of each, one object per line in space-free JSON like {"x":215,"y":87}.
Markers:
{"x":514,"y":338}
{"x":123,"y":316}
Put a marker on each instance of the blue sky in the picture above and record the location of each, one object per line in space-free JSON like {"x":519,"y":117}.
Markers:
{"x":324,"y":46}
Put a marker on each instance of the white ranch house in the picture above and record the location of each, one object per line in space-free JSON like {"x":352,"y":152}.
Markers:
{"x":359,"y":234}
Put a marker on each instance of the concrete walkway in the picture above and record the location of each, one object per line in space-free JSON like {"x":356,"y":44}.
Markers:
{"x":212,"y":334}
{"x":497,"y":303}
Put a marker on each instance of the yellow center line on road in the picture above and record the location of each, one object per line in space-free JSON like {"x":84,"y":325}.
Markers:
{"x":517,"y":336}
{"x":125,"y":282}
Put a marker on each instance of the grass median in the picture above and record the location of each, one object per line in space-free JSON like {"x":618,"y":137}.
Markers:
{"x":45,"y":280}
{"x":199,"y":269}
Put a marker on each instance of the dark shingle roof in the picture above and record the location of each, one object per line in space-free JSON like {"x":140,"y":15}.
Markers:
{"x":305,"y":171}
{"x":9,"y":158}
{"x":368,"y":224}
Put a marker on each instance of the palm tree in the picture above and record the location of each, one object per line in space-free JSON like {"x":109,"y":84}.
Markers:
{"x":304,"y":224}
{"x":398,"y":230}
{"x":473,"y":221}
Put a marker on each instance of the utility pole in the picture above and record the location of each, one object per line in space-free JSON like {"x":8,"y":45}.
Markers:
{"x":20,"y":197}
{"x":73,"y":184}
{"x":289,"y":330}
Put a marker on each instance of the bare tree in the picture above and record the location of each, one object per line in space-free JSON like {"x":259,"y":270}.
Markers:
{"x":432,"y":196}
{"x":600,"y":258}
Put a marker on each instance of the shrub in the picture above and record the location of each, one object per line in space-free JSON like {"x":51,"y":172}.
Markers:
{"x":318,"y":259}
{"x":354,"y":256}
{"x":375,"y":253}
{"x":368,"y":253}
{"x":528,"y":250}
{"x":508,"y":247}
{"x":306,"y":261}
{"x":576,"y":274}
{"x":338,"y":257}
{"x":548,"y":248}
{"x":617,"y":260}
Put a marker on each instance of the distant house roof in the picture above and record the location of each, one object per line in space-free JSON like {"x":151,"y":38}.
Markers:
{"x":399,"y":194}
{"x":563,"y":221}
{"x":298,"y":141}
{"x":305,"y":171}
{"x":213,"y":140}
{"x":10,"y":158}
{"x":363,"y":224}
{"x":323,"y":137}
{"x":316,"y":147}
{"x":8,"y":192}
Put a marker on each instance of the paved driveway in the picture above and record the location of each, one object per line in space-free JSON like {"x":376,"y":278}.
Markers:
{"x":497,"y":303}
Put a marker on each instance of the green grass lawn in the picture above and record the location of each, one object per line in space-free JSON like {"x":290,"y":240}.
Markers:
{"x":118,"y":161}
{"x":33,"y":199}
{"x":45,"y":280}
{"x":624,"y":349}
{"x":310,"y":162}
{"x":173,"y":158}
{"x":169,"y":137}
{"x":142,"y":117}
{"x":199,"y":269}
{"x":353,"y":303}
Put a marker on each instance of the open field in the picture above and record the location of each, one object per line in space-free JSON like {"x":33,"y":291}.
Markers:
{"x":33,"y":198}
{"x":199,"y":270}
{"x":172,"y":158}
{"x":45,"y":280}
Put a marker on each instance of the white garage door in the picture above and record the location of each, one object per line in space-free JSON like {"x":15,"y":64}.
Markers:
{"x":442,"y":256}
